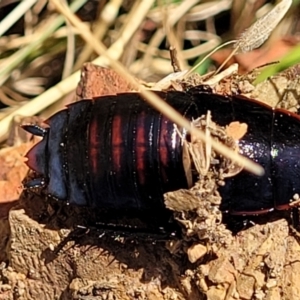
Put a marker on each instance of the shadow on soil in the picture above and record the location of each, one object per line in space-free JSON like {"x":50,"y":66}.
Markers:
{"x":137,"y":250}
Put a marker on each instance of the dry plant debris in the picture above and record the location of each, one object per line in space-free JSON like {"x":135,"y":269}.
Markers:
{"x":254,"y":36}
{"x":197,"y":209}
{"x":259,"y":32}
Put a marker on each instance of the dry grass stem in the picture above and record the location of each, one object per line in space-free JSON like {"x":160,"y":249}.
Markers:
{"x":19,"y":56}
{"x":227,"y":72}
{"x":206,"y":57}
{"x":15,"y":15}
{"x":153,"y":99}
{"x":207,"y":10}
{"x":159,"y":35}
{"x":106,"y":18}
{"x":146,"y":66}
{"x":70,"y":51}
{"x":212,"y":41}
{"x":69,"y":84}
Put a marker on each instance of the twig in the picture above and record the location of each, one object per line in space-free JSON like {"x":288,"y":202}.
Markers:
{"x":174,"y":60}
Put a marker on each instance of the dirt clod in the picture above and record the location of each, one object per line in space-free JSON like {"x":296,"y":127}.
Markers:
{"x":195,"y":252}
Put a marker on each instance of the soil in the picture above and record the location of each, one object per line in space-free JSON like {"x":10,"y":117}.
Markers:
{"x":43,"y":259}
{"x":49,"y":251}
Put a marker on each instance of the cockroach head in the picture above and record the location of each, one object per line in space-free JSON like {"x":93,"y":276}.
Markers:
{"x":47,"y":157}
{"x":37,"y":156}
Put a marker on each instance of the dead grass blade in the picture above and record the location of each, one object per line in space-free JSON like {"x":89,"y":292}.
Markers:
{"x":15,"y":15}
{"x":68,"y":85}
{"x":17,"y":58}
{"x":107,"y":17}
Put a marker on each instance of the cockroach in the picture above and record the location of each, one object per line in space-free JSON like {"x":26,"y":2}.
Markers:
{"x":119,"y":153}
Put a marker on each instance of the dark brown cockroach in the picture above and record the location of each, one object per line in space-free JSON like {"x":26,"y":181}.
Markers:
{"x":118,"y":153}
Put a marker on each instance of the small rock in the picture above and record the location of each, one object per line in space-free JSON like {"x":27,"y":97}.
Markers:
{"x":195,"y":252}
{"x":271,"y":283}
{"x":5,"y":287}
{"x":222,"y":271}
{"x":215,"y":293}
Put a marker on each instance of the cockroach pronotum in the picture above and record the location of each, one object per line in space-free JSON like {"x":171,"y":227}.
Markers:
{"x":119,"y":153}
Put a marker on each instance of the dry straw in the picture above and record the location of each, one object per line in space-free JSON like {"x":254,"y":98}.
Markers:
{"x":69,"y":84}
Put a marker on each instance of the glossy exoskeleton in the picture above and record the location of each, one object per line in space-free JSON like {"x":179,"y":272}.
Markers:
{"x":119,"y":153}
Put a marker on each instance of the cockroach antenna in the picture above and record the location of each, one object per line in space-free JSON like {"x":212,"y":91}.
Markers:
{"x":254,"y":36}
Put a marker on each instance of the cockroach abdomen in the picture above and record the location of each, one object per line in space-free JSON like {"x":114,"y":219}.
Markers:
{"x":118,"y":153}
{"x":285,"y":154}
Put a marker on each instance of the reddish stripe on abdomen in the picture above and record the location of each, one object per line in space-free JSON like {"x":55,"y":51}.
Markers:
{"x":117,"y":143}
{"x":141,"y":148}
{"x":163,"y":150}
{"x":94,"y":145}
